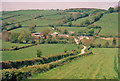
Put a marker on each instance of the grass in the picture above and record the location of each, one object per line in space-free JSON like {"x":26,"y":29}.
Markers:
{"x":54,"y":16}
{"x":38,"y":29}
{"x":102,"y":41}
{"x":101,"y":65}
{"x":76,"y":29}
{"x":34,"y":12}
{"x":109,"y":24}
{"x":81,"y":20}
{"x":30,"y":52}
{"x":7,"y":45}
{"x":40,"y":22}
{"x":19,"y":18}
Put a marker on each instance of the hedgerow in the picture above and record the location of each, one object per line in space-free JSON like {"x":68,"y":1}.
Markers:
{"x":40,"y":60}
{"x":23,"y":73}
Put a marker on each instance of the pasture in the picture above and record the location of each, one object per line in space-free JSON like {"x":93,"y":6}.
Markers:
{"x":101,"y":65}
{"x":31,"y":52}
{"x":109,"y":24}
{"x":38,"y":29}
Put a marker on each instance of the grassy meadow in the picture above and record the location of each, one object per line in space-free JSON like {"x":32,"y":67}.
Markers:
{"x":30,"y":52}
{"x":109,"y":24}
{"x":101,"y":65}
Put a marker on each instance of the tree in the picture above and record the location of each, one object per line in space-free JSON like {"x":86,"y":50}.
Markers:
{"x":39,"y":53}
{"x":45,"y":33}
{"x":91,"y":45}
{"x":91,"y":31}
{"x":106,"y":44}
{"x":32,"y":27}
{"x":27,"y":36}
{"x":5,"y":35}
{"x":65,"y":31}
{"x":114,"y":42}
{"x":65,"y":50}
{"x":70,"y":23}
{"x":21,"y":37}
{"x":110,"y":10}
{"x":14,"y":37}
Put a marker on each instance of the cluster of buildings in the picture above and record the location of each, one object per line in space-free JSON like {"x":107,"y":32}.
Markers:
{"x":63,"y":35}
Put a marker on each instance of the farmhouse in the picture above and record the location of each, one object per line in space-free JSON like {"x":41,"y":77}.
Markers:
{"x":71,"y":32}
{"x":82,"y":37}
{"x":56,"y":34}
{"x":37,"y":34}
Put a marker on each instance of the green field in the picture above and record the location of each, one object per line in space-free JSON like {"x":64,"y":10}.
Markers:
{"x":33,"y":12}
{"x":7,"y":45}
{"x":109,"y":24}
{"x":54,"y":16}
{"x":101,"y":65}
{"x":76,"y":29}
{"x":31,"y":52}
{"x":40,"y":22}
{"x":38,"y":29}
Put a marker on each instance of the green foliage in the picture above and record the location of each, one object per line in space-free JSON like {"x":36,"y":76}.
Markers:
{"x":110,"y":10}
{"x":32,"y":27}
{"x":70,"y":23}
{"x":39,"y":53}
{"x":114,"y":42}
{"x":65,"y":50}
{"x":14,"y":37}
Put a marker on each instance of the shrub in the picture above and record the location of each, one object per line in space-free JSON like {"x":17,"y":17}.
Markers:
{"x":65,"y":50}
{"x":39,"y":53}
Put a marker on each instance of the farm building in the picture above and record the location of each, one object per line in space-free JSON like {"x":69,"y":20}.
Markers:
{"x":71,"y":32}
{"x":82,"y":37}
{"x":56,"y":34}
{"x":37,"y":34}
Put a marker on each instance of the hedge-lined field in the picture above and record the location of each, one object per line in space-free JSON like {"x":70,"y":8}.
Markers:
{"x":40,"y":22}
{"x":109,"y":24}
{"x":101,"y":65}
{"x":38,"y":29}
{"x":54,"y":16}
{"x":23,"y":73}
{"x":7,"y":45}
{"x":31,"y":52}
{"x":18,"y":18}
{"x":82,"y":20}
{"x":32,"y":12}
{"x":76,"y":29}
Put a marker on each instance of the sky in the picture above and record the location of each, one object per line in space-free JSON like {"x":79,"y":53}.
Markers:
{"x":11,"y":5}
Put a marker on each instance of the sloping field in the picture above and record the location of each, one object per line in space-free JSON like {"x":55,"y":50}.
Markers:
{"x":38,"y":29}
{"x":31,"y":52}
{"x":34,"y":12}
{"x":101,"y":65}
{"x":109,"y":24}
{"x":40,"y":22}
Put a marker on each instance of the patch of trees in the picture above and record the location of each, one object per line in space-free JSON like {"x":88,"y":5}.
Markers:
{"x":111,"y":10}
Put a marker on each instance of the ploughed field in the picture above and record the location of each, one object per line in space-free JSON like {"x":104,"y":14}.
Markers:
{"x":101,"y":65}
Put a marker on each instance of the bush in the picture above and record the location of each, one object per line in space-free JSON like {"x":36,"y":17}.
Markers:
{"x":39,"y":53}
{"x":65,"y":50}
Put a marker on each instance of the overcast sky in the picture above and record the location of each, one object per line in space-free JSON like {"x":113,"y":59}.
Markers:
{"x":10,"y":6}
